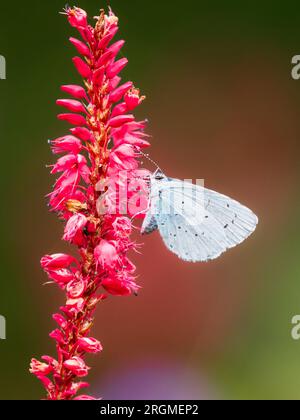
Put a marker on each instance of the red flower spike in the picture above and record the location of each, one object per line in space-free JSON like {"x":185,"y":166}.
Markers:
{"x":81,"y":47}
{"x":78,"y":386}
{"x":69,"y":163}
{"x":119,"y":110}
{"x":114,"y":83}
{"x":116,"y":287}
{"x":103,"y":142}
{"x":90,"y":345}
{"x":66,"y":144}
{"x":61,"y":277}
{"x":84,"y":398}
{"x":77,"y":17}
{"x":75,"y":224}
{"x":105,"y":58}
{"x":116,"y":47}
{"x":106,"y":255}
{"x":133,"y":99}
{"x":82,"y":132}
{"x":103,"y":43}
{"x":56,"y":261}
{"x":57,"y":335}
{"x":60,"y":320}
{"x":39,"y":368}
{"x":98,"y":76}
{"x":75,"y":289}
{"x":115,"y":68}
{"x":120,"y":120}
{"x":82,"y":68}
{"x":77,"y":92}
{"x":77,"y":366}
{"x":118,"y":94}
{"x":73,"y":119}
{"x":71,"y":105}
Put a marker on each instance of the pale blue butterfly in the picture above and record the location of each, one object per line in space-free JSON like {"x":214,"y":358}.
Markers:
{"x":195,"y":223}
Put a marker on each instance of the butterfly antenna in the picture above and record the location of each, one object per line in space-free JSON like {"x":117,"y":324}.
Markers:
{"x":136,"y":214}
{"x":150,"y":160}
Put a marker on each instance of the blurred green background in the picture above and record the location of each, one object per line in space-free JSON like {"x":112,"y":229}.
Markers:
{"x":222,"y":106}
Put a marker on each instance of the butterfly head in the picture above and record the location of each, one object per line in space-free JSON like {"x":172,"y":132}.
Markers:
{"x":158,"y":175}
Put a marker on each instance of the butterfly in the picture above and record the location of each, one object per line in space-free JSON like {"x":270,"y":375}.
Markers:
{"x":195,"y":223}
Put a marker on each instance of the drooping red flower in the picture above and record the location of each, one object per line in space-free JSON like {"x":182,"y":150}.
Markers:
{"x":99,"y":176}
{"x":90,"y":345}
{"x":74,"y":227}
{"x":39,"y":368}
{"x":77,"y":366}
{"x":106,"y":255}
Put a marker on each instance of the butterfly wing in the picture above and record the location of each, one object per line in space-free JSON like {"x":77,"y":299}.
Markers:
{"x":195,"y":223}
{"x":150,"y":224}
{"x":238,"y":221}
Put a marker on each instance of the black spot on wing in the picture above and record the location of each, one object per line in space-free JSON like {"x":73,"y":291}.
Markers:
{"x":151,"y":227}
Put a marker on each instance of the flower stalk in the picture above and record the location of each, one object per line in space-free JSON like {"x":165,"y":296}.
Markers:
{"x":98,"y":157}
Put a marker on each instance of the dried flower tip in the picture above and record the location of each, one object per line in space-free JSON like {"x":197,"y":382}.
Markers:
{"x":75,"y":206}
{"x":86,"y":327}
{"x":112,"y":19}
